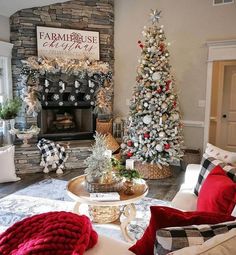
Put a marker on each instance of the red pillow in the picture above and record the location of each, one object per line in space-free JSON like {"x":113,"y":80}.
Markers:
{"x":163,"y":217}
{"x":218,"y":193}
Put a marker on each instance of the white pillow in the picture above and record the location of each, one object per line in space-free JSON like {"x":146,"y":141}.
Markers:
{"x":223,"y":155}
{"x":7,"y":164}
{"x":223,"y":244}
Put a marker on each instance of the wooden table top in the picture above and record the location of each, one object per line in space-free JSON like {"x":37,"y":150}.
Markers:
{"x":77,"y":191}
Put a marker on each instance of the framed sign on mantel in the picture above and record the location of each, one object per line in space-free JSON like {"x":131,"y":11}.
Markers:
{"x":67,"y":43}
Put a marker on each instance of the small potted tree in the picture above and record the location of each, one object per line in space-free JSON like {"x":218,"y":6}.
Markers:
{"x":100,"y":176}
{"x":129,"y":175}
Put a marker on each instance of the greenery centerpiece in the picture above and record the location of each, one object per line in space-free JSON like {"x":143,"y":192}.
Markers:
{"x":100,"y":175}
{"x":9,"y":109}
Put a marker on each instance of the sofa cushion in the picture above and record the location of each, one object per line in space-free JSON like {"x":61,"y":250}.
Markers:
{"x":218,"y":245}
{"x":185,"y":200}
{"x":223,"y":155}
{"x":175,"y":238}
{"x":218,"y":193}
{"x":7,"y":165}
{"x":208,"y":164}
{"x":108,"y":246}
{"x":162,"y":217}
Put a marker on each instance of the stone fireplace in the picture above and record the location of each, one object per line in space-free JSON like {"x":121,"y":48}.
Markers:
{"x":77,"y":14}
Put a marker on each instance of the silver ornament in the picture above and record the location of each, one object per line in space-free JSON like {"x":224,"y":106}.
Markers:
{"x":159,"y":148}
{"x":147,"y":119}
{"x":156,"y":76}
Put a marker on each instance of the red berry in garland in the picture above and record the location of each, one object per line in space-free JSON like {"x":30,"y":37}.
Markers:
{"x":146,"y":135}
{"x":167,"y":146}
{"x":130,"y":143}
{"x":129,"y":154}
{"x":159,"y":90}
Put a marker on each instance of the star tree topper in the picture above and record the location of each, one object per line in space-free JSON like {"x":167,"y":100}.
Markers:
{"x":155,"y":15}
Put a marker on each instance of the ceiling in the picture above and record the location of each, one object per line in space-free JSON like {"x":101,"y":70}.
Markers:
{"x":8,"y":7}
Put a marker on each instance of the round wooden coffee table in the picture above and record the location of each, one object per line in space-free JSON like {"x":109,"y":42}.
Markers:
{"x":108,"y":211}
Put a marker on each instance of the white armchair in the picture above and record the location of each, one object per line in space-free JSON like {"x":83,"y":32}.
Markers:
{"x":185,"y":199}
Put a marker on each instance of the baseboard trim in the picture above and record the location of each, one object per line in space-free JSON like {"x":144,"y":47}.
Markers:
{"x":193,"y":123}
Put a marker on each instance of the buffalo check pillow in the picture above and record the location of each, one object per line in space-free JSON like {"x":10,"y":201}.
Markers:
{"x":208,"y":164}
{"x":175,"y":238}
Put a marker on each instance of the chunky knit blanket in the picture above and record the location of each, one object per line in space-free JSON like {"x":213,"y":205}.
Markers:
{"x":53,"y":233}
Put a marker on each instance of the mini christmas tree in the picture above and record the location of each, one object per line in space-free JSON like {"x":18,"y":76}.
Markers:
{"x":154,"y":132}
{"x":98,"y":163}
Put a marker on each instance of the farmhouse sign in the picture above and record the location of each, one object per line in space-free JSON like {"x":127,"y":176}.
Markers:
{"x":67,"y":43}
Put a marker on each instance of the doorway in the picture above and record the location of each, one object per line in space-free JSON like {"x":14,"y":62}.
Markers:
{"x":218,"y":51}
{"x":222,"y":130}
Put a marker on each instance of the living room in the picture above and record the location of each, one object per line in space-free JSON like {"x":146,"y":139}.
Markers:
{"x":155,"y":80}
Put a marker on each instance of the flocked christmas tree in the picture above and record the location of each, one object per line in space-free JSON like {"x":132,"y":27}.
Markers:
{"x":154,"y":132}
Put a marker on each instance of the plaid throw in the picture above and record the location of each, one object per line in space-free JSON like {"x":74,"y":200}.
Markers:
{"x":208,"y":164}
{"x":175,"y":238}
{"x":50,"y":150}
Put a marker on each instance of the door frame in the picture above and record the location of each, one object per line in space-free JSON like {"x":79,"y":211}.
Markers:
{"x":217,"y":51}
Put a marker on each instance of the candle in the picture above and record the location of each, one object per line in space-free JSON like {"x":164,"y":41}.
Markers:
{"x":176,"y":130}
{"x":76,"y":84}
{"x":129,"y":164}
{"x":160,"y":121}
{"x":108,"y":153}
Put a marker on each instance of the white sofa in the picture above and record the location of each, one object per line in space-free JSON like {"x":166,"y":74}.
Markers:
{"x":184,"y":200}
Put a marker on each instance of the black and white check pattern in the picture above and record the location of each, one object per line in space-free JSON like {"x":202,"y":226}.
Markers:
{"x":208,"y":164}
{"x":175,"y":238}
{"x":49,"y":148}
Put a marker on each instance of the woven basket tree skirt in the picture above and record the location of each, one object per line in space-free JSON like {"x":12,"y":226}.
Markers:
{"x":153,"y":171}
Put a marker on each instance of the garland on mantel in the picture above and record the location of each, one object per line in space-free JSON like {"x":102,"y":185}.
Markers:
{"x":36,"y":67}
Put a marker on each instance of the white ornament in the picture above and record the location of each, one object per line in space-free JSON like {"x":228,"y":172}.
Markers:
{"x":123,"y":146}
{"x":147,"y":119}
{"x":162,"y":134}
{"x":164,"y":105}
{"x":156,"y":76}
{"x":159,"y":148}
{"x":145,"y":104}
{"x":135,"y":144}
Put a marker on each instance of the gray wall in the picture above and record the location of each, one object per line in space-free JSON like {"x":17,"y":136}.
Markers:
{"x":4,"y":29}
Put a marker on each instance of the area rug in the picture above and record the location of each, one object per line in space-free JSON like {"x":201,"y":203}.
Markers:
{"x":51,"y":195}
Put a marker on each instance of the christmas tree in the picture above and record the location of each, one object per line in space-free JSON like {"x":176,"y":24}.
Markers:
{"x":154,"y":132}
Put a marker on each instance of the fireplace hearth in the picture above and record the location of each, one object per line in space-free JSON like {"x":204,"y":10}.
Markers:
{"x":67,"y":122}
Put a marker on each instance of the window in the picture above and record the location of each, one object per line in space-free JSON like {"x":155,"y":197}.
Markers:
{"x":220,"y":2}
{"x":3,"y":79}
{"x":5,"y":71}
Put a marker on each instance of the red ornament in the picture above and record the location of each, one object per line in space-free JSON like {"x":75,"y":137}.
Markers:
{"x":174,"y":104}
{"x":167,"y":146}
{"x":146,"y":135}
{"x":159,"y":90}
{"x":168,"y":85}
{"x":141,"y":46}
{"x":139,"y":42}
{"x":129,"y":154}
{"x":162,"y":46}
{"x":129,"y":143}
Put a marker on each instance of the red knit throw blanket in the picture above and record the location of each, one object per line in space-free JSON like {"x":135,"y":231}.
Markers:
{"x":53,"y":233}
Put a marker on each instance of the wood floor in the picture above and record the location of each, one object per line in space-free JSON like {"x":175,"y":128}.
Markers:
{"x":164,"y":189}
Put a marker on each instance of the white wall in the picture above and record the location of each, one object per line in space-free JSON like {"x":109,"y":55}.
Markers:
{"x":188,"y":24}
{"x":4,"y":29}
